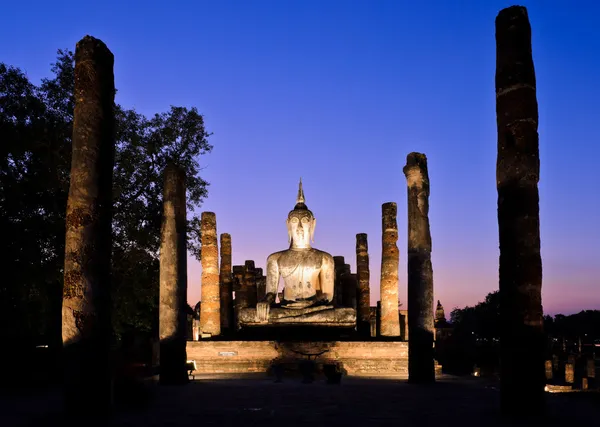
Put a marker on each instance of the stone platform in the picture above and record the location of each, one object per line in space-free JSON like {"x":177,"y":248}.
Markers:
{"x":324,"y":316}
{"x":366,"y":358}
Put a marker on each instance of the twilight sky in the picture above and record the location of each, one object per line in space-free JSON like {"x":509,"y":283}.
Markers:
{"x":338,"y":92}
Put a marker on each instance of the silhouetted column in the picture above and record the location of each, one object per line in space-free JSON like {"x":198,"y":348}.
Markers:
{"x":338,"y":291}
{"x":250,"y":283}
{"x":420,"y":272}
{"x":517,"y":173}
{"x":210,"y":309}
{"x":173,"y":279}
{"x":86,"y":310}
{"x":349,"y":287}
{"x":363,"y":274}
{"x":261,"y":284}
{"x":390,"y":257}
{"x":226,"y":282}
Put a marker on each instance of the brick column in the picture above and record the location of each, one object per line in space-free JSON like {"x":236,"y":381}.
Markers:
{"x":226,"y":282}
{"x":210,"y":309}
{"x":390,"y":257}
{"x":363,"y":274}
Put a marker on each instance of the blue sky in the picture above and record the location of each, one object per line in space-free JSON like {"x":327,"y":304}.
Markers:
{"x":338,"y":92}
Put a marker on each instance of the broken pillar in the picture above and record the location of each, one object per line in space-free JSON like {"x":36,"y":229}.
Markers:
{"x":226,"y":283}
{"x":210,"y":309}
{"x":349,"y":287}
{"x":86,"y":309}
{"x":569,"y":373}
{"x":421,"y":365}
{"x":522,"y":341}
{"x":261,"y":284}
{"x":548,"y":367}
{"x":338,"y":291}
{"x":363,"y":274}
{"x":390,"y":257}
{"x":250,"y":283}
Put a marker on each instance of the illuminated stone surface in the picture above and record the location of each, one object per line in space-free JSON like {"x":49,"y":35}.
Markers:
{"x":389,"y":323}
{"x":210,"y":313}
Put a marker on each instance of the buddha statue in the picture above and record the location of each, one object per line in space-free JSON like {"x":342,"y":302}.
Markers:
{"x":308,"y":273}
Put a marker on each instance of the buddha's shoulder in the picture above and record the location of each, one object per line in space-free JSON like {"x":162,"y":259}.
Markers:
{"x":323,"y":254}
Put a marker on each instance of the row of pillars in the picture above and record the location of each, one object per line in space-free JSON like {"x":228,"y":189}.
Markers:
{"x":86,"y":311}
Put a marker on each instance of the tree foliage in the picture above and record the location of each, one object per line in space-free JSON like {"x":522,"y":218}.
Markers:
{"x":35,"y":156}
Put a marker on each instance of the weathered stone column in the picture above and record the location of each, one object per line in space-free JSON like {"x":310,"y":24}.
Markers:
{"x":226,"y":283}
{"x":390,"y":257}
{"x":86,"y":310}
{"x":261,"y":284}
{"x":338,"y":291}
{"x":420,"y":272}
{"x":349,"y":287}
{"x":250,"y":283}
{"x":173,"y":279}
{"x":210,"y":309}
{"x":517,"y":174}
{"x":363,"y":274}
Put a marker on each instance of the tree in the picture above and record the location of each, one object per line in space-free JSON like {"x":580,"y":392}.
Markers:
{"x":35,"y":156}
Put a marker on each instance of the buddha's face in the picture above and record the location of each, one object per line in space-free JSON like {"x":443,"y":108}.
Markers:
{"x":301,"y":228}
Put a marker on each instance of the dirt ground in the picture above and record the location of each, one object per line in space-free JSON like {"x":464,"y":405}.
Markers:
{"x":259,"y":401}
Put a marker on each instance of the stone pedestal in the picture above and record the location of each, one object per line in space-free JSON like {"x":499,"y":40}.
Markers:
{"x":210,"y":310}
{"x":86,"y":308}
{"x":226,"y":283}
{"x":517,"y":173}
{"x":390,"y":257}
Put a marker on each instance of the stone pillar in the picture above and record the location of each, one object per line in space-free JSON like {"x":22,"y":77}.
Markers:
{"x":86,"y":310}
{"x":363,"y":274}
{"x":522,"y":339}
{"x":548,"y":367}
{"x":210,"y":309}
{"x":173,"y":279}
{"x":338,"y":292}
{"x":421,"y":366}
{"x":390,"y":257}
{"x":569,"y":373}
{"x":373,"y":322}
{"x":261,"y":284}
{"x":349,"y":287}
{"x":238,"y":286}
{"x":226,"y":282}
{"x":250,"y":283}
{"x":590,"y":368}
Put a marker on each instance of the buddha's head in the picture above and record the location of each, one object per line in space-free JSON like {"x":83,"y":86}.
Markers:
{"x":300,"y":223}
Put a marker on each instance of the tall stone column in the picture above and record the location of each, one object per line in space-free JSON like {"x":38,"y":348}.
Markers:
{"x":421,"y":367}
{"x":173,"y":279}
{"x":86,"y":310}
{"x":517,"y":174}
{"x":250,"y":283}
{"x":390,"y":257}
{"x":363,"y":274}
{"x":210,"y":309}
{"x":226,"y":282}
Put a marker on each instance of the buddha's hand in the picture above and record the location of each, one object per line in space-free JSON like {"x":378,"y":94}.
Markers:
{"x":262,"y":311}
